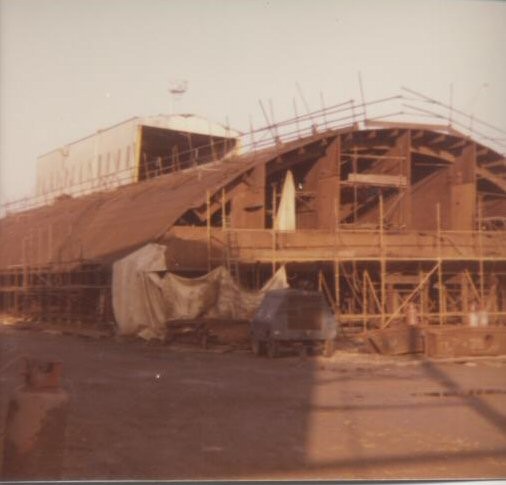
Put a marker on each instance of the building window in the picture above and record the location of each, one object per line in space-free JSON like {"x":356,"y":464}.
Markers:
{"x":99,"y":166}
{"x":118,"y":160}
{"x":127,"y":157}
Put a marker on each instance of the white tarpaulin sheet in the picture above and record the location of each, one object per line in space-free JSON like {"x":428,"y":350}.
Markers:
{"x":144,"y":301}
{"x":136,"y":302}
{"x":285,"y":217}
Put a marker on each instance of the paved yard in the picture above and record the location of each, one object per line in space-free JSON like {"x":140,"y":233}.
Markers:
{"x":145,"y":411}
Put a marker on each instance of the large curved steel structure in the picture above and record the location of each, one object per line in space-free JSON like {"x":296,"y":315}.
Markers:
{"x":384,"y":214}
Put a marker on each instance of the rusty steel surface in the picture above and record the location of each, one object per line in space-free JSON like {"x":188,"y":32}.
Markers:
{"x":465,"y":341}
{"x":103,"y":226}
{"x":223,"y":213}
{"x":98,"y":226}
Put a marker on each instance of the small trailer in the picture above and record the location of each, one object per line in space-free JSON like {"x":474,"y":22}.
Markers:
{"x":293,"y":318}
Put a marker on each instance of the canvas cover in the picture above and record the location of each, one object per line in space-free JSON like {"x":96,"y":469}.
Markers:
{"x":146,"y":298}
{"x":285,"y":217}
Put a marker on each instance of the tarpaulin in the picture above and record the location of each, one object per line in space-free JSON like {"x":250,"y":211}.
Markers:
{"x":136,"y":299}
{"x":145,"y":301}
{"x":285,"y":217}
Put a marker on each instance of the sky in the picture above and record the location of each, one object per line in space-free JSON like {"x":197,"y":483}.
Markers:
{"x":70,"y":67}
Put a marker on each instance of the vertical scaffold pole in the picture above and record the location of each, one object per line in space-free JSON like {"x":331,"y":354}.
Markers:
{"x":355,"y":189}
{"x":440,"y":265}
{"x":480,"y":242}
{"x":364,"y":300}
{"x":252,"y":135}
{"x":382,"y":260}
{"x":208,"y":219}
{"x":337,"y":288}
{"x":211,"y":143}
{"x":274,"y":195}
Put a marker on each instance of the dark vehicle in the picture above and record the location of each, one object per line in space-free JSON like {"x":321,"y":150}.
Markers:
{"x":295,"y":318}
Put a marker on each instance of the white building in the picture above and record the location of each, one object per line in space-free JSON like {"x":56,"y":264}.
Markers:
{"x":131,"y":151}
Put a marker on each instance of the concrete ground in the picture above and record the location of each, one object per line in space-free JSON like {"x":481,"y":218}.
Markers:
{"x":147,"y":411}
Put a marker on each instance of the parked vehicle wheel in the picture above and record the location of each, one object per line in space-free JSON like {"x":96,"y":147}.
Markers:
{"x":257,"y":346}
{"x":272,"y":349}
{"x":329,"y":348}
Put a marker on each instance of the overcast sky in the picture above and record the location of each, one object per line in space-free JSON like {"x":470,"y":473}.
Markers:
{"x":69,"y":67}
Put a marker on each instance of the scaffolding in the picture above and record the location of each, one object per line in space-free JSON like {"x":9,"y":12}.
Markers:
{"x":74,"y":292}
{"x":378,"y":247}
{"x":374,"y":290}
{"x":409,"y":106}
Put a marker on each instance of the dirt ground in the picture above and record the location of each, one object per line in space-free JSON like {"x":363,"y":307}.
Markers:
{"x":148,"y":411}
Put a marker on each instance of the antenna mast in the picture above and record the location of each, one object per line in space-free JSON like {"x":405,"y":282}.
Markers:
{"x":177,"y":88}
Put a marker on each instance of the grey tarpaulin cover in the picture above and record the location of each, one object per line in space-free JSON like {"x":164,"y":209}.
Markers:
{"x":144,"y":301}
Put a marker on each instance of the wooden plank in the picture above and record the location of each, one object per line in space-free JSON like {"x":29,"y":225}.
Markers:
{"x":378,"y":179}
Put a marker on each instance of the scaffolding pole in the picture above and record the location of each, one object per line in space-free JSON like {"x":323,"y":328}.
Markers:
{"x":274,"y":203}
{"x":373,"y":291}
{"x":336,"y":284}
{"x":480,"y":244}
{"x":355,"y":187}
{"x":382,"y":261}
{"x":364,"y":300}
{"x":411,"y":295}
{"x":208,"y":228}
{"x":440,"y":269}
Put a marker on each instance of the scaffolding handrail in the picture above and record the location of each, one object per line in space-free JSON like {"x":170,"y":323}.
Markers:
{"x":452,"y":109}
{"x":347,"y":114}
